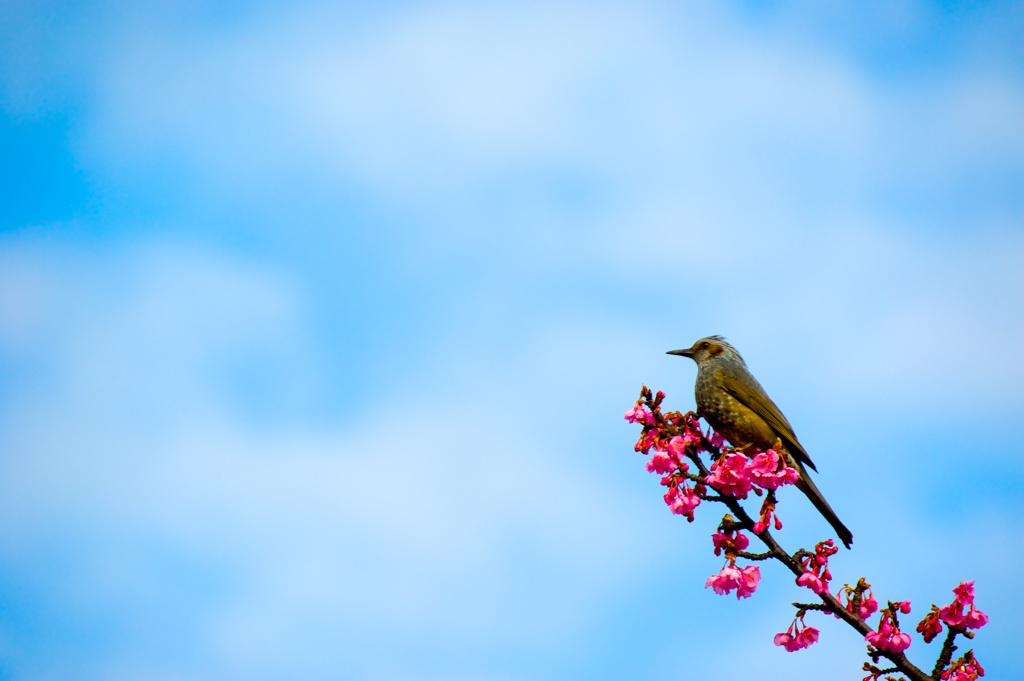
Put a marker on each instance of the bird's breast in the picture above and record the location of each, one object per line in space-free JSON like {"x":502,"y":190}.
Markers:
{"x":739,"y":424}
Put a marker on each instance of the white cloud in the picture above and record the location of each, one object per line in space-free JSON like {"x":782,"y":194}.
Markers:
{"x":438,"y":99}
{"x":735,"y":170}
{"x":427,"y":514}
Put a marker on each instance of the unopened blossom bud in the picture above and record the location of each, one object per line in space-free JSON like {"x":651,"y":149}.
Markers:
{"x":930,"y":626}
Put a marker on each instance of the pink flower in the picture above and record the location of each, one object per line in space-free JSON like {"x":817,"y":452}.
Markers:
{"x":868,"y":607}
{"x":676,"y":446}
{"x":648,"y":439}
{"x":768,"y":470}
{"x":888,"y":638}
{"x":859,"y":601}
{"x":964,"y":592}
{"x":751,"y":575}
{"x":636,"y":415}
{"x":783,"y":639}
{"x":899,"y":642}
{"x":716,"y":440}
{"x":812,"y":582}
{"x":966,"y":668}
{"x":807,"y":636}
{"x":952,"y":614}
{"x":744,"y":580}
{"x":725,"y":581}
{"x":683,"y":504}
{"x":661,"y":463}
{"x":726,"y":540}
{"x":904,"y":606}
{"x":975,"y":619}
{"x":765,"y":463}
{"x":876,"y":639}
{"x":797,"y":636}
{"x":689,"y":438}
{"x":729,"y":475}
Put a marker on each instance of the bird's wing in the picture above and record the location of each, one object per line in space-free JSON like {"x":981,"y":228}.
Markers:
{"x":753,"y":396}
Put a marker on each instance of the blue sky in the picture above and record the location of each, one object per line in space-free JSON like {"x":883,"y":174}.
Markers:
{"x":317,"y":324}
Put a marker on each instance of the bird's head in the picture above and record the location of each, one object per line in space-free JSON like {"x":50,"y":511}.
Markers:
{"x":709,"y":348}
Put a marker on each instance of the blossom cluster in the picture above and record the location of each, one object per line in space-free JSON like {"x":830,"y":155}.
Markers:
{"x":744,"y":580}
{"x":673,"y":437}
{"x":966,"y":668}
{"x":675,"y":443}
{"x":731,"y":542}
{"x":888,"y":637}
{"x":735,"y":474}
{"x":816,"y":574}
{"x":953,"y":615}
{"x":797,"y":636}
{"x":858,"y":600}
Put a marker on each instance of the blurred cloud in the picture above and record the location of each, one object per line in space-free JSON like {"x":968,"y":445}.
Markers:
{"x":326,"y":377}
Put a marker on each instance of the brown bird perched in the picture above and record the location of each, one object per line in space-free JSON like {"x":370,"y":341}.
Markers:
{"x":735,"y":404}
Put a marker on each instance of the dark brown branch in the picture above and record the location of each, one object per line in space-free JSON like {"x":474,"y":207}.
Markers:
{"x":754,"y":556}
{"x":947,"y":652}
{"x":829,"y":602}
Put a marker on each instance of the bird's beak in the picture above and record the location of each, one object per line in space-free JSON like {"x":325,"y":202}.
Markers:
{"x":688,"y":352}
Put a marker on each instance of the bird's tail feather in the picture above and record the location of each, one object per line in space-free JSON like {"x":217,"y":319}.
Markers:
{"x":807,"y":486}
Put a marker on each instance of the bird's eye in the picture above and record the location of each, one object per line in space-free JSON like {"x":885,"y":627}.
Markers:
{"x":705,"y":345}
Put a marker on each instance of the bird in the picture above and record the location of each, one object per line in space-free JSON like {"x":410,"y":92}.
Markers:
{"x":734,"y":403}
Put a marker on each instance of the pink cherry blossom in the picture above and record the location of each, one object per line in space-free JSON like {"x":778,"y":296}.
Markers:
{"x":689,"y":437}
{"x":769,"y":471}
{"x":807,"y":637}
{"x":729,"y":475}
{"x":749,"y":579}
{"x":783,"y":639}
{"x":888,"y":638}
{"x":725,"y":581}
{"x":744,"y":580}
{"x":661,"y":463}
{"x":728,"y":541}
{"x":812,"y":582}
{"x":966,"y":668}
{"x":964,"y":592}
{"x":868,"y":607}
{"x":797,"y":636}
{"x":899,"y":642}
{"x":648,"y":439}
{"x":975,"y":619}
{"x":683,"y":504}
{"x":636,"y":415}
{"x":952,"y":614}
{"x":676,"y":446}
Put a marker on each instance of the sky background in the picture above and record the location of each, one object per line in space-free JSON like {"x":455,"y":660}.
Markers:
{"x":318,"y":322}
